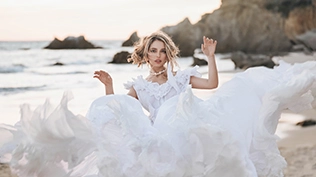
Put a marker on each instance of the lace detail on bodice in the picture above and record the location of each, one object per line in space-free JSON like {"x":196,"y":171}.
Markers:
{"x":151,"y":88}
{"x":151,"y":94}
{"x":160,"y":90}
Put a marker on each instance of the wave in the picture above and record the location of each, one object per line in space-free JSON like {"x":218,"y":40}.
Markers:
{"x":60,"y":73}
{"x":80,"y":62}
{"x":89,"y":61}
{"x":12,"y":90}
{"x":22,"y":45}
{"x":75,"y":63}
{"x":12,"y":69}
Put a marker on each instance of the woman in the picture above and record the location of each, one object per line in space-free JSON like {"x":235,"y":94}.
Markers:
{"x":158,"y":50}
{"x":230,"y":134}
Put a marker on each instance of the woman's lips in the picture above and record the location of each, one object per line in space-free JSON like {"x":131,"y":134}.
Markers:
{"x":158,"y":61}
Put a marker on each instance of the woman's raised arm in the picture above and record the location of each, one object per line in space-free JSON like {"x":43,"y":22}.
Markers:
{"x":208,"y":47}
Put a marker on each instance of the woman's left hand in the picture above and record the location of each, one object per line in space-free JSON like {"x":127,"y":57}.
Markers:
{"x":209,"y":46}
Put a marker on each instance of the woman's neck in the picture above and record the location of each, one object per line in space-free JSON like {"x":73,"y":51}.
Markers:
{"x":158,"y":71}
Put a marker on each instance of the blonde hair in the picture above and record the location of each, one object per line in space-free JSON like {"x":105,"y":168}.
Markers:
{"x":140,"y":54}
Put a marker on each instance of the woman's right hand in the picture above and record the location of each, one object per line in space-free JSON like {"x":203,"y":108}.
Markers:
{"x":104,"y":77}
{"x":208,"y":47}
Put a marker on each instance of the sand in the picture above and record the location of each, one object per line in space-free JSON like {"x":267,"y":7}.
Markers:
{"x":298,"y":144}
{"x":299,"y":150}
{"x":5,"y":171}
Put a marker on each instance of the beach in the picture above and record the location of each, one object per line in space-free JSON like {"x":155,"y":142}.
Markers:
{"x":297,"y":144}
{"x":299,"y":150}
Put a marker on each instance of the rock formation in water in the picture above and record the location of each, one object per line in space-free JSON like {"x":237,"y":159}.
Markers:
{"x":132,"y":39}
{"x":71,"y":43}
{"x":121,"y":57}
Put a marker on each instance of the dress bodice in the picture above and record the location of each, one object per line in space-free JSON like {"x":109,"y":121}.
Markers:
{"x":152,"y":95}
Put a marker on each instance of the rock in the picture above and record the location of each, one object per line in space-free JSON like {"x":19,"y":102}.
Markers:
{"x":245,"y":26}
{"x":244,"y":61}
{"x":71,"y":43}
{"x":58,"y":64}
{"x":185,"y":36}
{"x":25,"y":48}
{"x":237,"y":26}
{"x":252,"y":26}
{"x":55,"y":44}
{"x":284,"y":7}
{"x":308,"y":39}
{"x":306,"y":123}
{"x":302,"y":48}
{"x":300,"y":20}
{"x":121,"y":57}
{"x":132,"y":39}
{"x":199,"y":62}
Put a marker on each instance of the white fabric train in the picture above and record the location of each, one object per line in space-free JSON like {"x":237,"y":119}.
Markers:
{"x":232,"y":132}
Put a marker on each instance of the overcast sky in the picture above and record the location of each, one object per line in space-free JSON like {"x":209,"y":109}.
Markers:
{"x":95,"y":19}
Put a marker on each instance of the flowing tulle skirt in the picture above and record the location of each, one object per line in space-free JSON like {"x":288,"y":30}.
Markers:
{"x":233,"y":132}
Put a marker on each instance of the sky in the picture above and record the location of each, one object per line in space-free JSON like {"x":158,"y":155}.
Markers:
{"x":23,"y":20}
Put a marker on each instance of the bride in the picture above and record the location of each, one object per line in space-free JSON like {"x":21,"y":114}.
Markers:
{"x":231,"y":133}
{"x":161,"y":84}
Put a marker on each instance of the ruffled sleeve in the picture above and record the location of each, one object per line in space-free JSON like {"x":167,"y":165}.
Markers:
{"x":193,"y":71}
{"x":129,"y":84}
{"x":183,"y":77}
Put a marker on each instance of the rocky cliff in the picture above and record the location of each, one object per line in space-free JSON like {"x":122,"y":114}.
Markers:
{"x":250,"y":26}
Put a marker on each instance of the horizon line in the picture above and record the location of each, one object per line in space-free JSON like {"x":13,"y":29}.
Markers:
{"x":45,"y":40}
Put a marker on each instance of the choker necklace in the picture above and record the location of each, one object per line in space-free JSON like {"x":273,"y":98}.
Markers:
{"x":158,"y":73}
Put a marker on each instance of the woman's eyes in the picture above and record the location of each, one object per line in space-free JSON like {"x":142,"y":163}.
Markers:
{"x":154,"y":51}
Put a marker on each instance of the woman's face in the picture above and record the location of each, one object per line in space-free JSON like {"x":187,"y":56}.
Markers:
{"x":157,"y":54}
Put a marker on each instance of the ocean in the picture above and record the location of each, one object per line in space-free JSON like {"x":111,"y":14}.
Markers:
{"x":28,"y":75}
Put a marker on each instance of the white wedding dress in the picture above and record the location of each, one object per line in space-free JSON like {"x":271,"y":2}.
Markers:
{"x":229,"y":134}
